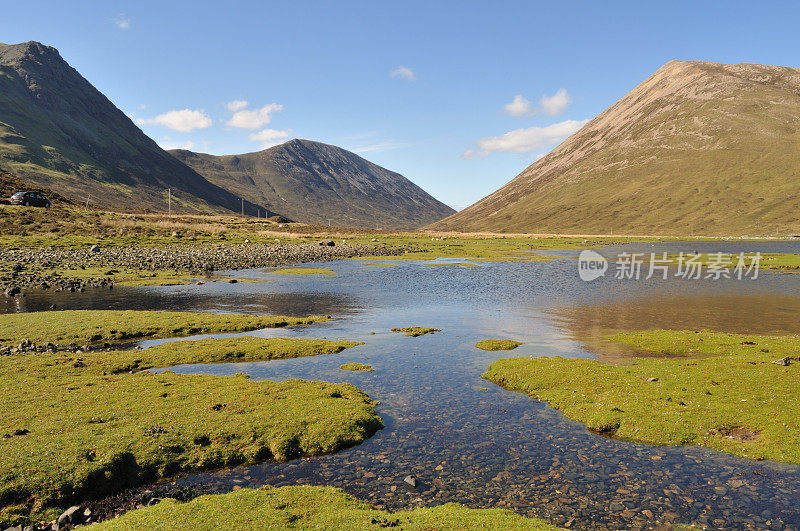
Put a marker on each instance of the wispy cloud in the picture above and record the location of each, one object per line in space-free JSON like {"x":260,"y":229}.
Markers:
{"x":122,"y":22}
{"x":270,"y":137}
{"x":550,"y":105}
{"x":403,"y":72}
{"x":525,"y":141}
{"x":368,"y":142}
{"x":168,"y":143}
{"x":236,"y":105}
{"x":255,"y":118}
{"x":183,"y":120}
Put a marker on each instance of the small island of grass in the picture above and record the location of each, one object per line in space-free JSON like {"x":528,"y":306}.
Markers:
{"x":497,"y":344}
{"x":415,"y":331}
{"x":356,"y":367}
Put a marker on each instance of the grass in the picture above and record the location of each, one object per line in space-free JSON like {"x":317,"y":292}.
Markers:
{"x":303,"y":271}
{"x":94,"y":428}
{"x":733,"y":398}
{"x":86,"y":326}
{"x":497,"y":344}
{"x":356,"y":367}
{"x":415,"y":331}
{"x":457,"y":264}
{"x":376,"y":264}
{"x":307,"y":507}
{"x":226,"y":350}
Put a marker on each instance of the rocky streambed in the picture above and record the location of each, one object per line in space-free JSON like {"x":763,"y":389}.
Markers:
{"x":39,"y":268}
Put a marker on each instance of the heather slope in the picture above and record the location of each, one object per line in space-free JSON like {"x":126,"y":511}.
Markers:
{"x":698,"y":147}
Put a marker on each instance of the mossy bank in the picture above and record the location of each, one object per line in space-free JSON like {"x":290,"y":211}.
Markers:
{"x":733,"y":393}
{"x":309,"y":507}
{"x":81,"y":425}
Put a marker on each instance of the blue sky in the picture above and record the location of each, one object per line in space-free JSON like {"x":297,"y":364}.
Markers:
{"x":450,"y":94}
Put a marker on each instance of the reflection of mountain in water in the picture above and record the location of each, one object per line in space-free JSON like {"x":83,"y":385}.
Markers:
{"x":289,"y":304}
{"x":744,"y":314}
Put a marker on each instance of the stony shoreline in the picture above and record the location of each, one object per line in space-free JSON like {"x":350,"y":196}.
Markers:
{"x":38,"y":268}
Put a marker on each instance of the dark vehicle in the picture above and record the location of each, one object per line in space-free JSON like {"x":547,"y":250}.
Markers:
{"x":30,"y":199}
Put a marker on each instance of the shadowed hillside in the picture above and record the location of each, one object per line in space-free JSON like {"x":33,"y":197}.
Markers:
{"x":57,"y":131}
{"x":313,"y":182}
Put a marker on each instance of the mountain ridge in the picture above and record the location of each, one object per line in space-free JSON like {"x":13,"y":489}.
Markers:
{"x":58,"y":131}
{"x":337,"y":184}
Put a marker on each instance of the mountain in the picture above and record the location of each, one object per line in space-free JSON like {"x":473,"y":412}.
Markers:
{"x":698,"y":147}
{"x":317,"y":183}
{"x":57,"y":131}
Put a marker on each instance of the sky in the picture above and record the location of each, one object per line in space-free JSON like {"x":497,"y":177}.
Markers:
{"x":457,"y":96}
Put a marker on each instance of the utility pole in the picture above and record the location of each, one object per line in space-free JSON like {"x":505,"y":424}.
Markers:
{"x":87,"y":200}
{"x":169,"y":202}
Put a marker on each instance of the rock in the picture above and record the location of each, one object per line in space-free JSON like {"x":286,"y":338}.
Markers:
{"x":153,"y":501}
{"x":247,"y":240}
{"x":94,"y":249}
{"x":11,"y":291}
{"x":411,"y":481}
{"x":652,"y":380}
{"x":784,"y":362}
{"x":232,"y":281}
{"x":374,"y":240}
{"x":176,"y":234}
{"x":71,"y":516}
{"x":21,"y":432}
{"x":24,"y":343}
{"x":329,"y":243}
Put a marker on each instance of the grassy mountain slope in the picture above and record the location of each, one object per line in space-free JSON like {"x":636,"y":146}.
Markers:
{"x":698,"y":147}
{"x":57,"y":131}
{"x":313,"y":182}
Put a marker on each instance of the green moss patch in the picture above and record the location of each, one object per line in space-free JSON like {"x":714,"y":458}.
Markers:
{"x":497,"y":344}
{"x":740,"y":398}
{"x":455,"y":264}
{"x":303,"y":271}
{"x":77,"y":427}
{"x":86,"y":326}
{"x":309,"y":507}
{"x":415,"y":331}
{"x":227,"y":350}
{"x":356,"y":367}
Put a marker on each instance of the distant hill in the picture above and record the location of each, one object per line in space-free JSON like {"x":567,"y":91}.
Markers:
{"x":57,"y":131}
{"x":313,"y":182}
{"x":698,"y":147}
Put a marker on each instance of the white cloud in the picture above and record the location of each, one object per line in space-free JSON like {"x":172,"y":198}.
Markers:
{"x":270,"y":137}
{"x":403,"y":72}
{"x":519,"y":106}
{"x":168,"y":143}
{"x":555,"y":104}
{"x":524,"y":140}
{"x":236,"y":105}
{"x":550,"y":105}
{"x":123,"y":22}
{"x":184,"y":120}
{"x":247,"y":119}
